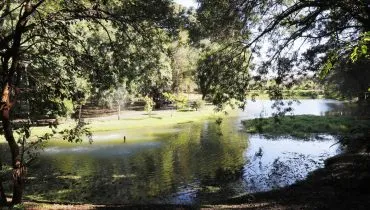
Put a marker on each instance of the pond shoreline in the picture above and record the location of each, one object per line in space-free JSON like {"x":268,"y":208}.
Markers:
{"x":326,"y":188}
{"x":312,"y":192}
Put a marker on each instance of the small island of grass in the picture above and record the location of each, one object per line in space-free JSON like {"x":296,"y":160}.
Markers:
{"x":303,"y":126}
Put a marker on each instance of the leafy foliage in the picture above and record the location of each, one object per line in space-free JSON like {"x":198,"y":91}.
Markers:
{"x":198,"y":104}
{"x":314,"y":36}
{"x":184,"y":59}
{"x":149,"y":105}
{"x":223,"y":74}
{"x":180,"y":100}
{"x":362,"y":49}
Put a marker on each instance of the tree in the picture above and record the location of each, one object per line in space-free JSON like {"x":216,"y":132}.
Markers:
{"x":222,"y":74}
{"x":81,"y":94}
{"x":116,"y":96}
{"x":59,"y":39}
{"x":155,"y":76}
{"x":184,"y":59}
{"x":149,"y":104}
{"x":304,"y":36}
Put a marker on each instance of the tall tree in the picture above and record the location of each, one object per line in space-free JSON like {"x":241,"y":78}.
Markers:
{"x":184,"y":59}
{"x":61,"y":39}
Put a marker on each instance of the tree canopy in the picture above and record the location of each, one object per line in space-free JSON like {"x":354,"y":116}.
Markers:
{"x":288,"y":39}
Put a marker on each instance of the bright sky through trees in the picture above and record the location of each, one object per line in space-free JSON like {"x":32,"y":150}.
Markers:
{"x":187,"y":3}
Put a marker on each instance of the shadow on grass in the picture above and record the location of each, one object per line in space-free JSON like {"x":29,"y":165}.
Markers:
{"x":151,"y":116}
{"x":185,"y":122}
{"x":159,"y":118}
{"x":133,"y":119}
{"x":186,"y":110}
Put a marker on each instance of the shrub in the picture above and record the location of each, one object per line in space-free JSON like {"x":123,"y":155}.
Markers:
{"x":198,"y":104}
{"x":149,"y":104}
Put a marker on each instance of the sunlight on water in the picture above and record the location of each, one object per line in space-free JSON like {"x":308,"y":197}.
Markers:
{"x":283,"y":161}
{"x":262,"y":108}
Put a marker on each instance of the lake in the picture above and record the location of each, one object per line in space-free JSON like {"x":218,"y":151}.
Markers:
{"x":190,"y":163}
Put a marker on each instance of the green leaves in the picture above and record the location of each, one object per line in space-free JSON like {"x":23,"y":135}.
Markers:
{"x":223,"y":74}
{"x":361,"y":49}
{"x":75,"y":134}
{"x":149,"y":105}
{"x":328,"y":65}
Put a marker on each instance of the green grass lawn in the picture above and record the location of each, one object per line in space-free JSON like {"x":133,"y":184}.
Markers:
{"x":305,"y":125}
{"x":136,"y":123}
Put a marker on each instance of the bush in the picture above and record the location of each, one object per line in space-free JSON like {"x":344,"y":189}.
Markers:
{"x":198,"y":104}
{"x":181,"y":102}
{"x":149,"y":104}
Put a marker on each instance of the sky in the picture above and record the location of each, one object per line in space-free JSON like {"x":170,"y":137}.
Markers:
{"x":187,"y":3}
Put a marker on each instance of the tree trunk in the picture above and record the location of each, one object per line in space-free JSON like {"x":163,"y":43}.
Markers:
{"x":14,"y":148}
{"x":119,"y":111}
{"x":3,"y":201}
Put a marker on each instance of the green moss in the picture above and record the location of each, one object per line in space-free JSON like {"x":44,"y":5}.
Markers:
{"x":306,"y":125}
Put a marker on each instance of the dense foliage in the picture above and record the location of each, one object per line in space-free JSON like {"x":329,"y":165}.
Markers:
{"x":290,"y":39}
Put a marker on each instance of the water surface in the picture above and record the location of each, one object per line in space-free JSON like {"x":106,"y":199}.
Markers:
{"x":189,"y":163}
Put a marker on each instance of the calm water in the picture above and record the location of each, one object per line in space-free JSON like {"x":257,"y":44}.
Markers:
{"x":190,"y":163}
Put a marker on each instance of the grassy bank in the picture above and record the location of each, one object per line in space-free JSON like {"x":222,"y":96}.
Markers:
{"x":136,"y":122}
{"x":304,"y":126}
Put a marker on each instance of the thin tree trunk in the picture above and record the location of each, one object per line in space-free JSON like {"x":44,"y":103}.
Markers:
{"x":14,"y":148}
{"x":119,"y":111}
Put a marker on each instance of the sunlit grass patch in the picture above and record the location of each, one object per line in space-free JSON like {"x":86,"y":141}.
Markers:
{"x":135,"y":121}
{"x":69,"y":177}
{"x":304,"y":126}
{"x":123,"y":176}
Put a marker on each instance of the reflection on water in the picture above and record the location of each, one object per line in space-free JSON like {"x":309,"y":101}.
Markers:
{"x":192,"y":163}
{"x":103,"y":150}
{"x":280,"y":162}
{"x":179,"y":167}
